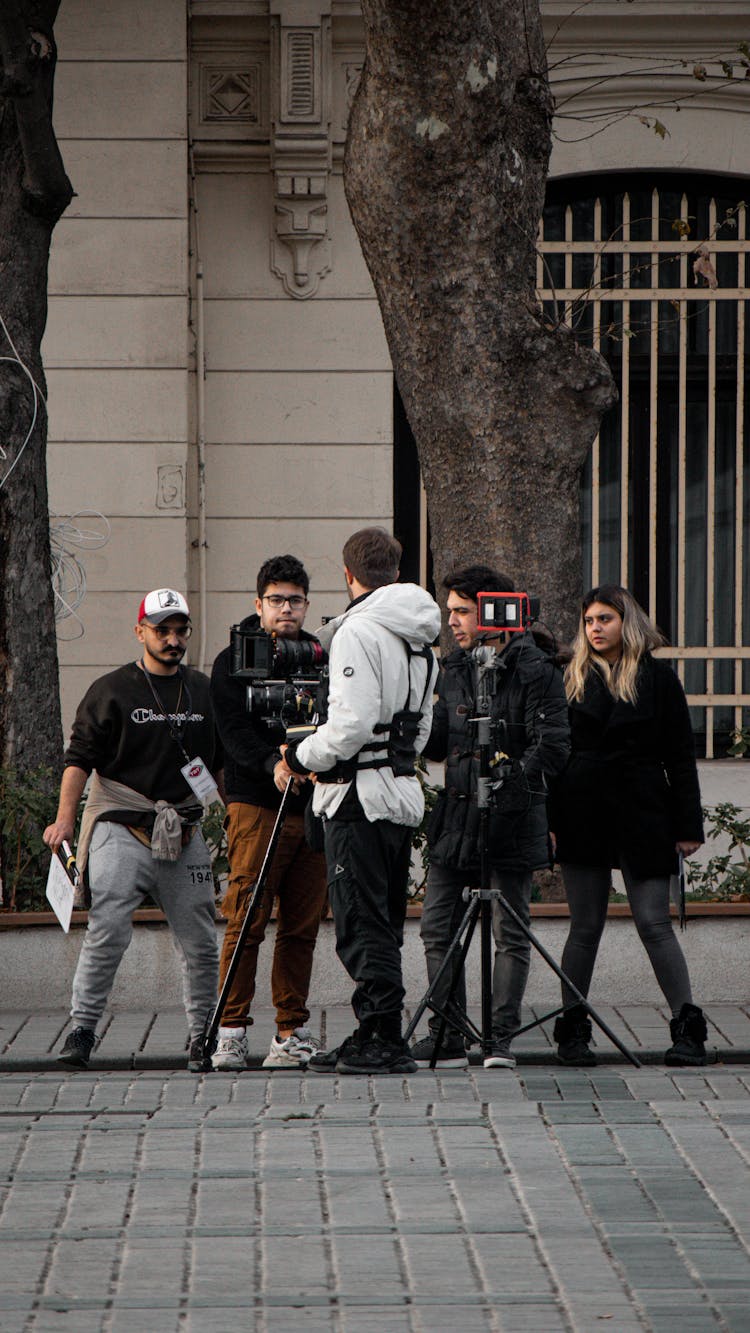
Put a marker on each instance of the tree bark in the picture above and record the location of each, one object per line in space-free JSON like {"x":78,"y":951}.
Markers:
{"x":34,"y":190}
{"x":445,"y":170}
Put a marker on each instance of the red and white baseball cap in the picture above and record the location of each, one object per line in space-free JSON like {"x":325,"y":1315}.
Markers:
{"x":160,"y":604}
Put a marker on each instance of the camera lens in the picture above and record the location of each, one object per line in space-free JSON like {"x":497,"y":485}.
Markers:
{"x":293,"y":655}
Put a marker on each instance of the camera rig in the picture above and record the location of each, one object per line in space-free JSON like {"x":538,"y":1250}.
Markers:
{"x":511,"y":612}
{"x":287,"y":679}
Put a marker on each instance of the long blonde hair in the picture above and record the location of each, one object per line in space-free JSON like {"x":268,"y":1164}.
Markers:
{"x":639,"y":636}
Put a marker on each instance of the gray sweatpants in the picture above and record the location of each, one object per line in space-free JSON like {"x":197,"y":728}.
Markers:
{"x":121,"y":872}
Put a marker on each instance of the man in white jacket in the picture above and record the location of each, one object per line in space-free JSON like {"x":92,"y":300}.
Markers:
{"x":382,"y":674}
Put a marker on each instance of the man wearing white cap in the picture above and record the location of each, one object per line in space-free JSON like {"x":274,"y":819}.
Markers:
{"x":145,"y":735}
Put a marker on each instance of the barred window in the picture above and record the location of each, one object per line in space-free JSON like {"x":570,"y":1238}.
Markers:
{"x":652,"y":270}
{"x":664,"y":500}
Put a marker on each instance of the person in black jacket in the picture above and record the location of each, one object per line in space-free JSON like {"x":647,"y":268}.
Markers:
{"x":532,"y":732}
{"x":629,"y":797}
{"x":255,"y":778}
{"x":143,"y":739}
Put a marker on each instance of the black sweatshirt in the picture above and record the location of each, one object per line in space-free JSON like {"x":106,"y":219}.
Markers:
{"x":251,"y":744}
{"x":121,"y":732}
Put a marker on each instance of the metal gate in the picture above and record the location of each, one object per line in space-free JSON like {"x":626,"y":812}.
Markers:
{"x":654,"y":277}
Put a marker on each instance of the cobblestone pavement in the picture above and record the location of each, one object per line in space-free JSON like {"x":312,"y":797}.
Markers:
{"x":157,"y":1201}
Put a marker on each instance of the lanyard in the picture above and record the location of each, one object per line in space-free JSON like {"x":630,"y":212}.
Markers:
{"x":176,"y":731}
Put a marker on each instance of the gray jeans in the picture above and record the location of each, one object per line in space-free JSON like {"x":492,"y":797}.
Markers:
{"x":121,"y":872}
{"x":441,"y":916}
{"x":587,"y":891}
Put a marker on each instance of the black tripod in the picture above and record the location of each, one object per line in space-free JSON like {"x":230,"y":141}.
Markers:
{"x":211,"y":1029}
{"x":480,"y":908}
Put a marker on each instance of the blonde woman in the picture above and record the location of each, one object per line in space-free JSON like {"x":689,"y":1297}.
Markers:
{"x":629,"y":797}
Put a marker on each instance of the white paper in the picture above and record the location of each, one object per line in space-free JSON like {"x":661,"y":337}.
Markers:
{"x":60,"y":893}
{"x":200,"y":780}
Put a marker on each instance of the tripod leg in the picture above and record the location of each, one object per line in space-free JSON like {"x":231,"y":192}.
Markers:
{"x":581,"y":999}
{"x":212,"y":1024}
{"x":466,"y":928}
{"x":462,"y":1020}
{"x":486,"y":941}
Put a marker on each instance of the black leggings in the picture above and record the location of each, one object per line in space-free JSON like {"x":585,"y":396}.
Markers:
{"x":587,"y":891}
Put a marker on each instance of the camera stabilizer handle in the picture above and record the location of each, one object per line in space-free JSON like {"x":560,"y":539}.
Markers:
{"x":212,"y":1025}
{"x":479,"y":907}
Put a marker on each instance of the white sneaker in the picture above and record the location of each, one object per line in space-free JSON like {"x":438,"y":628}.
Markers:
{"x":293,"y":1052}
{"x":231,"y":1049}
{"x":500,"y":1058}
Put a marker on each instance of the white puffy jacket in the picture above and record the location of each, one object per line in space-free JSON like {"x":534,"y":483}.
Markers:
{"x":370,"y":674}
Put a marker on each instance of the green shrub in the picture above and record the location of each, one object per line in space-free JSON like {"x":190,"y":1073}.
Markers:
{"x":28,"y":802}
{"x":216,"y":839}
{"x":724,"y":878}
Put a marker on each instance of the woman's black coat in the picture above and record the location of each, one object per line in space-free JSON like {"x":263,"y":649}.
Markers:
{"x":530,"y":709}
{"x":630,"y":789}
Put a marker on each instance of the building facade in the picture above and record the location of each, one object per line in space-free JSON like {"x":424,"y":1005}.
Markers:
{"x":219,"y":381}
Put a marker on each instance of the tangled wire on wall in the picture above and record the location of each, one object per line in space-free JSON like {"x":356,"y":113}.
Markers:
{"x":66,"y":537}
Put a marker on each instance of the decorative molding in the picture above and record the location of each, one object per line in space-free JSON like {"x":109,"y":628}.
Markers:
{"x":268,"y":92}
{"x":300,"y":143}
{"x":300,"y":75}
{"x":230,"y":94}
{"x":302,"y":228}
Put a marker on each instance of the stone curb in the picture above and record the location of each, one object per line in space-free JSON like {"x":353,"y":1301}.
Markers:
{"x":524,"y":1059}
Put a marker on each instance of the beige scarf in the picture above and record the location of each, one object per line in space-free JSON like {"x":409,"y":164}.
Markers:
{"x":106,"y":795}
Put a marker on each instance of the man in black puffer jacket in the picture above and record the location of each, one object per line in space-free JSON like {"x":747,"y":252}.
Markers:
{"x":530,"y":710}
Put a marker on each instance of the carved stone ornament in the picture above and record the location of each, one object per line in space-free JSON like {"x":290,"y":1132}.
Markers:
{"x":230,"y":95}
{"x":301,"y":149}
{"x":301,"y":227}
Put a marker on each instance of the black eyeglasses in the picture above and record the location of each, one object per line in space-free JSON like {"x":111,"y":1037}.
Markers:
{"x":276,"y":600}
{"x":164,"y":631}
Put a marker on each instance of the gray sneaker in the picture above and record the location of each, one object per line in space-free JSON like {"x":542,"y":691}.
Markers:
{"x":294,"y":1052}
{"x":231,"y":1049}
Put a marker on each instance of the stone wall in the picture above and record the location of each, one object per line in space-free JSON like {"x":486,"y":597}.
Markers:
{"x":298,"y":386}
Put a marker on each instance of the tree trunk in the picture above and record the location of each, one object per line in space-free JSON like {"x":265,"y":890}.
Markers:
{"x":445,"y":170}
{"x":34,"y":190}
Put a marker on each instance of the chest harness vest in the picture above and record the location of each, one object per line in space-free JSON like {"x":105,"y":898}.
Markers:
{"x":398,"y":748}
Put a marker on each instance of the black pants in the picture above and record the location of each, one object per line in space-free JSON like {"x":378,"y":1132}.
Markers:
{"x":368,"y":874}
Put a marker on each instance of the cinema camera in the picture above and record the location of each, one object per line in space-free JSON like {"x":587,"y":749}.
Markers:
{"x":287,"y":678}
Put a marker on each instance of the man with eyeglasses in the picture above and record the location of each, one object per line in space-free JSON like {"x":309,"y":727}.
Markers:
{"x":256,"y":777}
{"x":145,"y":737}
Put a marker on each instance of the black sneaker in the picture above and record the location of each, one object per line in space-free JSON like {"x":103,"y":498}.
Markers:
{"x":325,"y":1062}
{"x":198,"y":1061}
{"x":377,"y":1055}
{"x":77,"y":1049}
{"x":452,"y":1053}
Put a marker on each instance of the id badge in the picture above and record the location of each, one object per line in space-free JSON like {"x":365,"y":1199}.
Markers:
{"x":199,"y":780}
